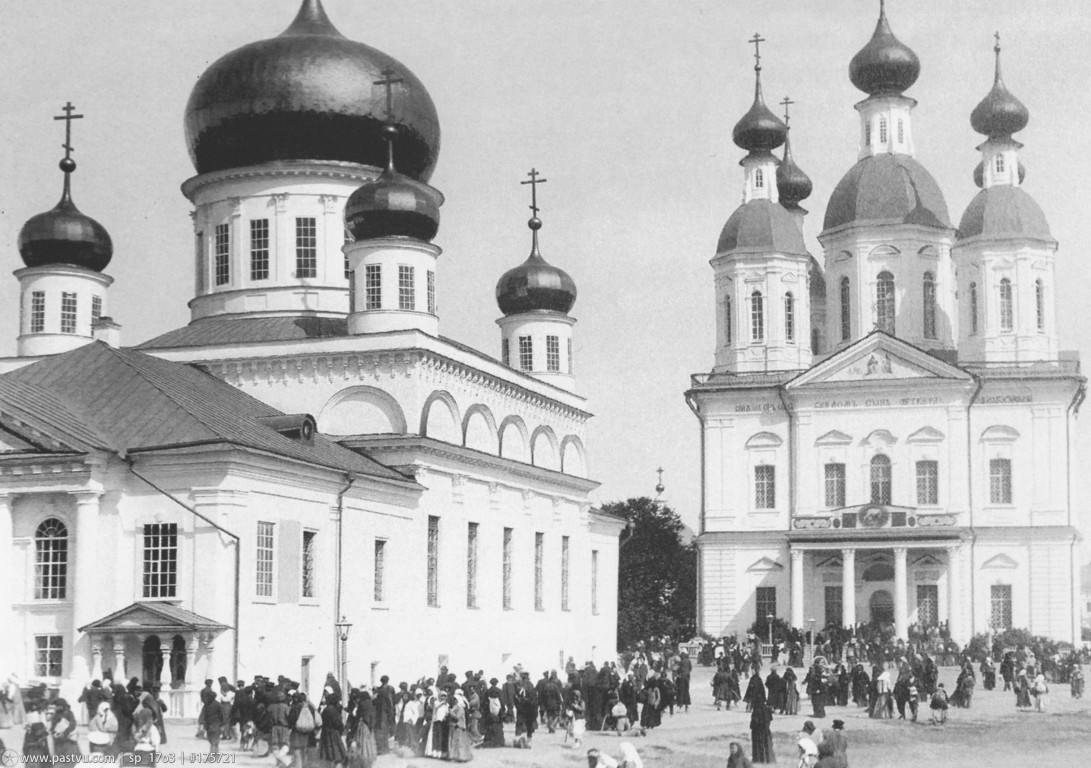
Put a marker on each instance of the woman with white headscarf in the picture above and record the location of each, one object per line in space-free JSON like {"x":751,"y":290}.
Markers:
{"x":102,"y":730}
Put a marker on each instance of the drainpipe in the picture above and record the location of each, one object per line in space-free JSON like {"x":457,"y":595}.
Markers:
{"x":238,"y":564}
{"x":791,"y":455}
{"x":692,"y":403}
{"x":338,"y":570}
{"x":978,"y":385}
{"x":1077,"y":399}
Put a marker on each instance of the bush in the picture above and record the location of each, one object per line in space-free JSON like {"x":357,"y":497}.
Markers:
{"x":760,"y":630}
{"x":1043,"y":647}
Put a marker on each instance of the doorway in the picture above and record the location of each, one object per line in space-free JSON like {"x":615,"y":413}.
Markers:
{"x":882,"y":607}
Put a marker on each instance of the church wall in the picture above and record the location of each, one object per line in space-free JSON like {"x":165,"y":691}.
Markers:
{"x":732,"y":567}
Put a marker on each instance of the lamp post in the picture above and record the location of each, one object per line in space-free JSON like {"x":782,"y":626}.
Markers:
{"x":811,"y":622}
{"x":769,"y":623}
{"x":343,"y":626}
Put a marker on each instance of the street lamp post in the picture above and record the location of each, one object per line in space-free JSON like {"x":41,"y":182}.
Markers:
{"x":769,"y":622}
{"x":811,"y":622}
{"x":343,"y":626}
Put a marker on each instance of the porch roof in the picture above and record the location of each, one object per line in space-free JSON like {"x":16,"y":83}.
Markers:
{"x":151,"y":617}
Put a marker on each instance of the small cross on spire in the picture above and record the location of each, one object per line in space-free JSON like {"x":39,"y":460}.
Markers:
{"x":388,"y":82}
{"x":757,"y":40}
{"x":996,"y":36}
{"x":68,"y":117}
{"x":659,"y":487}
{"x":534,"y":181}
{"x":786,"y":102}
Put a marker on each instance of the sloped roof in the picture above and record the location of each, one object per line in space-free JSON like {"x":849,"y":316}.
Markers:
{"x":154,"y":616}
{"x":231,"y":329}
{"x":122,"y":399}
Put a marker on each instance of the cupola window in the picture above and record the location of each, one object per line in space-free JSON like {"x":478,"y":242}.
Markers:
{"x":68,"y":312}
{"x":757,"y":317}
{"x":789,"y":318}
{"x":901,"y":131}
{"x":223,"y":254}
{"x":373,"y":286}
{"x":846,"y":310}
{"x":727,"y":320}
{"x":407,"y":291}
{"x":999,"y":164}
{"x":973,"y":308}
{"x":880,"y":480}
{"x":431,"y":292}
{"x":882,"y":130}
{"x":884,"y":302}
{"x":526,"y":353}
{"x":759,"y":178}
{"x":1040,"y":304}
{"x":867,"y":133}
{"x":306,"y":247}
{"x":37,"y":311}
{"x":1007,"y":313}
{"x":259,"y":249}
{"x":929,"y":297}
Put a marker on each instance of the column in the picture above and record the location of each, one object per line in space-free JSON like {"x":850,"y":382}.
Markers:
{"x":848,"y":587}
{"x":901,"y":603}
{"x":165,"y":674}
{"x":191,"y":659}
{"x":96,"y":658}
{"x":209,"y":658}
{"x":797,"y":588}
{"x":121,"y":672}
{"x":8,"y":639}
{"x":84,"y":581}
{"x":954,"y":602}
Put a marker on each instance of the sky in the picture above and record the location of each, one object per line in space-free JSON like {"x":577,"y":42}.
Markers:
{"x":625,"y":106}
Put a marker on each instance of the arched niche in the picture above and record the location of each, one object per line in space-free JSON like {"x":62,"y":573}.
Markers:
{"x":514,"y":440}
{"x":544,"y":451}
{"x":440,"y":418}
{"x":573,"y":456}
{"x":361,"y":410}
{"x":479,"y":430}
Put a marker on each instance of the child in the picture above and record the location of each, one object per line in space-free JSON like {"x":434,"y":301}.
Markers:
{"x":939,"y":706}
{"x":576,"y":722}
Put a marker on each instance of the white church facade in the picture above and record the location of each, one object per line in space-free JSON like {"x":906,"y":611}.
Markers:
{"x":888,"y":437}
{"x":309,"y":452}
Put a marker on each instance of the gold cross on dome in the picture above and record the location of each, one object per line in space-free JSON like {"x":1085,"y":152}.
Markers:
{"x":388,"y":82}
{"x":68,"y":117}
{"x":534,"y":181}
{"x":757,"y":40}
{"x":786,"y":102}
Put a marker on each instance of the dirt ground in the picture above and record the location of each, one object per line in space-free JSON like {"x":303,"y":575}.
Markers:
{"x":993,"y":734}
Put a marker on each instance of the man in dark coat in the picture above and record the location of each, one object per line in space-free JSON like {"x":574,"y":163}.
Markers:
{"x":526,"y":708}
{"x":384,"y":715}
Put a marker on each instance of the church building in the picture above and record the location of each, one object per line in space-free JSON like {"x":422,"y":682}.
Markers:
{"x":886,"y":437}
{"x":308,"y":477}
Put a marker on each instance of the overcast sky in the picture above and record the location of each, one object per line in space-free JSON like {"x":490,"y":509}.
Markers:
{"x":626,"y":106}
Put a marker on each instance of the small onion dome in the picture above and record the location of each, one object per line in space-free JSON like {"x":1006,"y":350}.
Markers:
{"x":535,"y":285}
{"x":885,"y":65}
{"x":999,"y":113}
{"x":308,"y":94}
{"x":759,"y":130}
{"x":1004,"y":212}
{"x":761,"y":226}
{"x":979,"y":174}
{"x":793,"y":185}
{"x":64,"y":235}
{"x":887,"y":189}
{"x":393,"y":205}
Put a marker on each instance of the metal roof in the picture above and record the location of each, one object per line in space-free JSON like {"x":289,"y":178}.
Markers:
{"x":148,"y":616}
{"x":887,"y":189}
{"x":232,"y":329}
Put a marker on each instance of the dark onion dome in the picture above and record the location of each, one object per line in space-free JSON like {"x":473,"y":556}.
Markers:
{"x":64,"y":235}
{"x":1004,"y":212}
{"x":393,"y":205}
{"x":885,"y":66}
{"x":309,"y":94}
{"x":759,"y":130}
{"x":999,"y":114}
{"x":761,"y":226}
{"x":793,"y":185}
{"x":535,"y":284}
{"x":887,"y":189}
{"x":979,"y":174}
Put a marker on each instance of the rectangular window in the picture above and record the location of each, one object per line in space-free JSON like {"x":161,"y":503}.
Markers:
{"x":834,"y":605}
{"x":927,"y":605}
{"x":407,"y":294}
{"x":757,"y":318}
{"x":160,"y":560}
{"x":553,"y":353}
{"x":1007,"y":312}
{"x":263,"y":579}
{"x":471,"y":565}
{"x":37,"y":311}
{"x":539,"y":568}
{"x":259,"y":249}
{"x":379,"y":569}
{"x":507,"y":568}
{"x":348,"y":265}
{"x":564,"y":573}
{"x":526,"y":353}
{"x":373,"y":286}
{"x":202,"y":262}
{"x":765,"y":598}
{"x":727,"y":320}
{"x":48,"y":655}
{"x":433,"y":560}
{"x":505,"y":352}
{"x":431,"y":292}
{"x":306,"y":247}
{"x":1000,"y":615}
{"x":96,"y":308}
{"x":571,"y":368}
{"x":765,"y":487}
{"x":927,"y":482}
{"x":68,"y":312}
{"x":789,"y":319}
{"x":594,"y":582}
{"x":835,"y":485}
{"x":308,"y":554}
{"x":1000,"y":481}
{"x":223,"y":254}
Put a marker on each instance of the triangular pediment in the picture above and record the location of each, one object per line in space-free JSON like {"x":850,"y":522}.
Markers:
{"x":10,"y":443}
{"x":832,"y":561}
{"x":926,"y":435}
{"x":151,"y":617}
{"x":1000,"y":561}
{"x":765,"y":565}
{"x":878,"y":357}
{"x":927,"y":560}
{"x":834,"y":437}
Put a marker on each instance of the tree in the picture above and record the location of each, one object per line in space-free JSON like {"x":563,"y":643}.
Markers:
{"x":657,"y":575}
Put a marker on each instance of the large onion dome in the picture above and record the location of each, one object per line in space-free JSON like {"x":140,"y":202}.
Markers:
{"x":308,"y":94}
{"x":64,"y":235}
{"x":885,"y":66}
{"x":535,"y":284}
{"x":393,"y":205}
{"x":759,"y":130}
{"x":999,"y":114}
{"x":793,"y":185}
{"x":1004,"y":212}
{"x":761,"y":226}
{"x":887,"y":189}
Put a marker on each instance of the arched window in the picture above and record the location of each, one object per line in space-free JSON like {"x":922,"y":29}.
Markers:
{"x":929,"y":296}
{"x":846,"y":310}
{"x":999,"y":163}
{"x":884,"y":302}
{"x":757,"y":317}
{"x":1007,"y":315}
{"x":880,"y":479}
{"x":1040,"y":303}
{"x":867,"y":133}
{"x":901,"y":131}
{"x":727,"y":320}
{"x":51,"y":560}
{"x":759,"y":178}
{"x":882,"y":130}
{"x":789,"y":318}
{"x":973,"y":307}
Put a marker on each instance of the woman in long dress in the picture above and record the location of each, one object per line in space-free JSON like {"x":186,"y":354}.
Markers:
{"x":881,"y":708}
{"x":63,"y":728}
{"x":493,"y":717}
{"x":436,"y":744}
{"x":761,"y":737}
{"x":362,"y":751}
{"x":791,"y":692}
{"x":459,"y":746}
{"x":331,"y":747}
{"x":411,"y":713}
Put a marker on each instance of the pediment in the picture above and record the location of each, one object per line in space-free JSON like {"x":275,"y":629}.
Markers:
{"x":1000,"y":433}
{"x":1000,"y":561}
{"x":834,"y":437}
{"x":10,"y":443}
{"x":926,"y":435}
{"x":765,"y":565}
{"x":833,"y":561}
{"x":764,"y":440}
{"x":927,"y":561}
{"x":152,"y":617}
{"x":879,"y":357}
